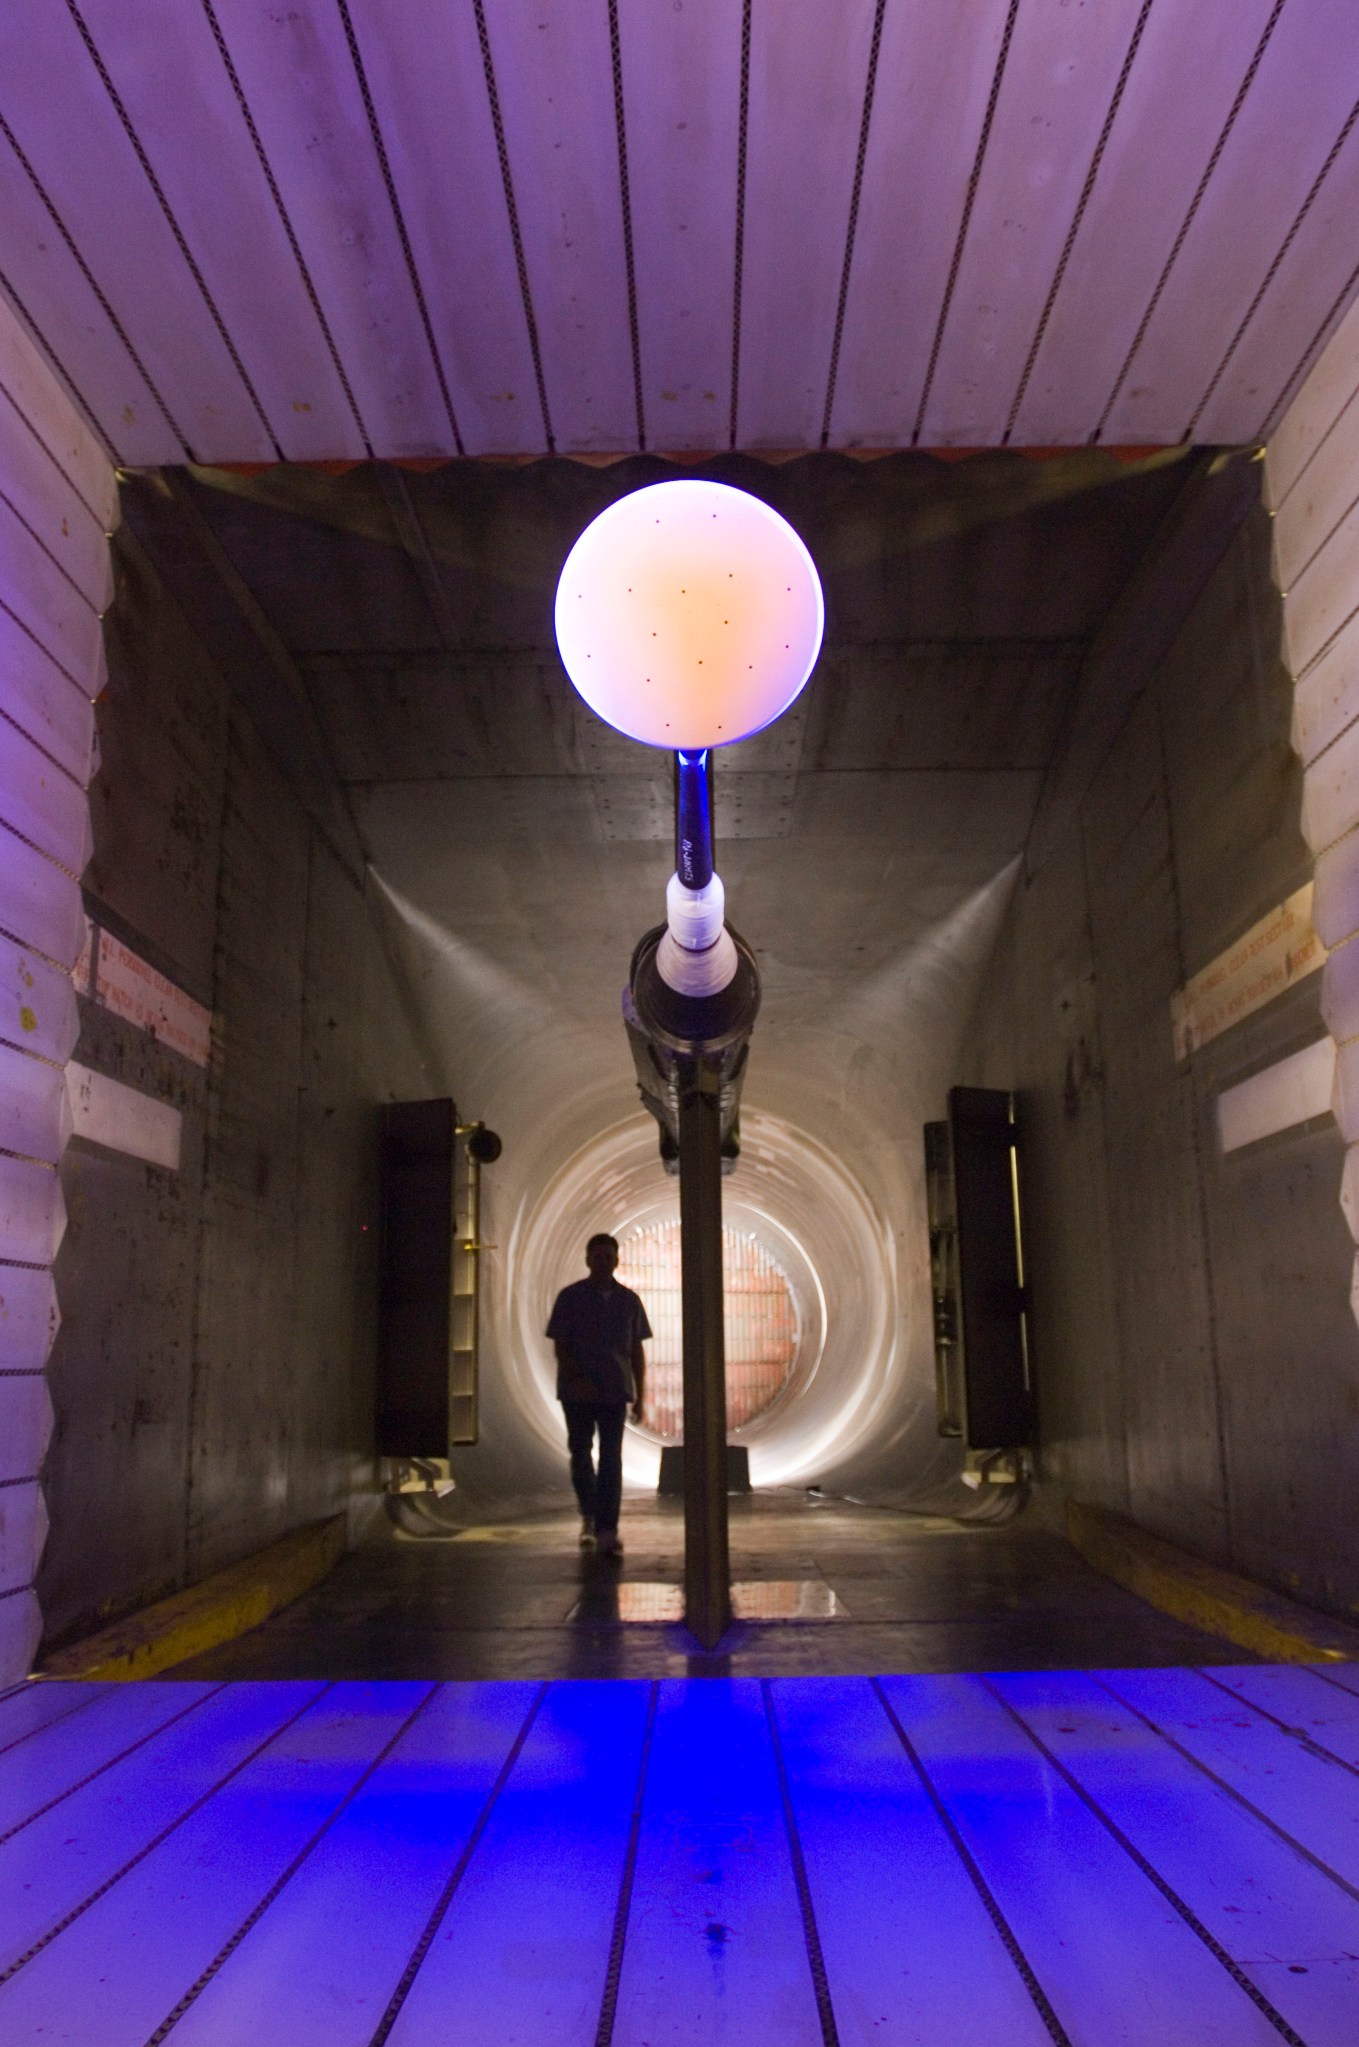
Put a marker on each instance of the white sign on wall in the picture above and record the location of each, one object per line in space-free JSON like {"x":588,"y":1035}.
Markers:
{"x":1290,"y":1092}
{"x":1281,"y":949}
{"x":124,"y":1119}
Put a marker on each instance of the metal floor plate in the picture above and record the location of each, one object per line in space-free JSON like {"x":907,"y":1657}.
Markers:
{"x":1140,"y":1856}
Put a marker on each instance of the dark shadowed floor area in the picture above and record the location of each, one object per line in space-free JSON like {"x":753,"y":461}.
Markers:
{"x":863,"y":1589}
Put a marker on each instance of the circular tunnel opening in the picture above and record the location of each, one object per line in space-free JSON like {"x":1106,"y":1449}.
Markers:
{"x":814,"y":1337}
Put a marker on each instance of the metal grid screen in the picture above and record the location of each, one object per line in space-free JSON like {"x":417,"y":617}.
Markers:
{"x":762,"y":1325}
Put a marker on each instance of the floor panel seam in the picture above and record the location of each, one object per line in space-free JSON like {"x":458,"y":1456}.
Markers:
{"x":1153,"y":1875}
{"x":614,"y":1973}
{"x":816,"y":1959}
{"x":261,"y":1906}
{"x":422,"y":1947}
{"x":990,"y":1903}
{"x":78,"y":1911}
{"x":1256,"y":1812}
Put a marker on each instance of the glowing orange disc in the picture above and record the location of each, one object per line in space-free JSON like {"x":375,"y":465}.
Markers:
{"x":689,"y":614}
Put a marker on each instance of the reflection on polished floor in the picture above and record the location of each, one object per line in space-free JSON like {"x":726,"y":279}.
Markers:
{"x":519,"y":1599}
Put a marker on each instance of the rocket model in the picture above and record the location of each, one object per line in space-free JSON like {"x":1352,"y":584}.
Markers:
{"x":689,"y":615}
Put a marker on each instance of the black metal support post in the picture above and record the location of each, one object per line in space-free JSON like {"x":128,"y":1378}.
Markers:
{"x":707,"y":1587}
{"x":690,"y":1040}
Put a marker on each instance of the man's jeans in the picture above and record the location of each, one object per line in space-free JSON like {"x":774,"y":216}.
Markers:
{"x":599,"y":1494}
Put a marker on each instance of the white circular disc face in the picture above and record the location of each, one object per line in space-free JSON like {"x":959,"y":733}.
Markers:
{"x":689,"y":614}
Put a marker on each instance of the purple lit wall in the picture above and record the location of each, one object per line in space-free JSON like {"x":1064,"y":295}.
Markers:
{"x":57,"y":503}
{"x":1312,"y":485}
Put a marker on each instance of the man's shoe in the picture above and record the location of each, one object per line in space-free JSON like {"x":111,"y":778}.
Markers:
{"x":609,"y":1545}
{"x":587,"y":1534}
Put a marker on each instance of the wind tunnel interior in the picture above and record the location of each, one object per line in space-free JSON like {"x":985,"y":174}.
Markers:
{"x":349,"y":801}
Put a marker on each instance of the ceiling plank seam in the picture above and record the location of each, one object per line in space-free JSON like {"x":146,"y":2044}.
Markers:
{"x":59,"y":369}
{"x":40,"y":543}
{"x":105,"y":308}
{"x":616,"y":56}
{"x":31,"y":636}
{"x":1195,"y":203}
{"x":738,"y":265}
{"x":1339,"y":305}
{"x":516,"y":236}
{"x":26,"y":424}
{"x":968,"y":203}
{"x":190,"y":261}
{"x":285,"y":220}
{"x":1253,"y":308}
{"x":399,"y":218}
{"x":870,"y":86}
{"x":1079,"y":215}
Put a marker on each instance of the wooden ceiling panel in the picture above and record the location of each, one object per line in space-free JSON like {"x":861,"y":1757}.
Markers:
{"x":169,"y":76}
{"x":60,"y":304}
{"x":1317,"y":410}
{"x":806,"y":112}
{"x":99,"y":200}
{"x":682,"y":97}
{"x":348,"y":227}
{"x":298,"y":76}
{"x":1302,"y":95}
{"x":1061,"y":75}
{"x":1179,"y":96}
{"x":554,"y":78}
{"x":424,"y":70}
{"x":929,"y":108}
{"x":33,"y":399}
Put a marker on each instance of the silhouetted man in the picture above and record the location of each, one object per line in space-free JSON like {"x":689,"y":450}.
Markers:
{"x":597,"y":1328}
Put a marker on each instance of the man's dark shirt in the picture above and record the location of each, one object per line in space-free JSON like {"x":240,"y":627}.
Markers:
{"x":598,"y":1327}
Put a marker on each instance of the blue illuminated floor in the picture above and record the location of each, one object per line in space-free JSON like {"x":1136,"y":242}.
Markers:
{"x":1138,"y":1858}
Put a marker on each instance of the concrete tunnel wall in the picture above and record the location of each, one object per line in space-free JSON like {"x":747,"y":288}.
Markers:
{"x":213,"y":1376}
{"x":1198,"y":1363}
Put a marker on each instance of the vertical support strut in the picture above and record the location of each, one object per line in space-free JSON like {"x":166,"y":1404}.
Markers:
{"x":707,"y":1587}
